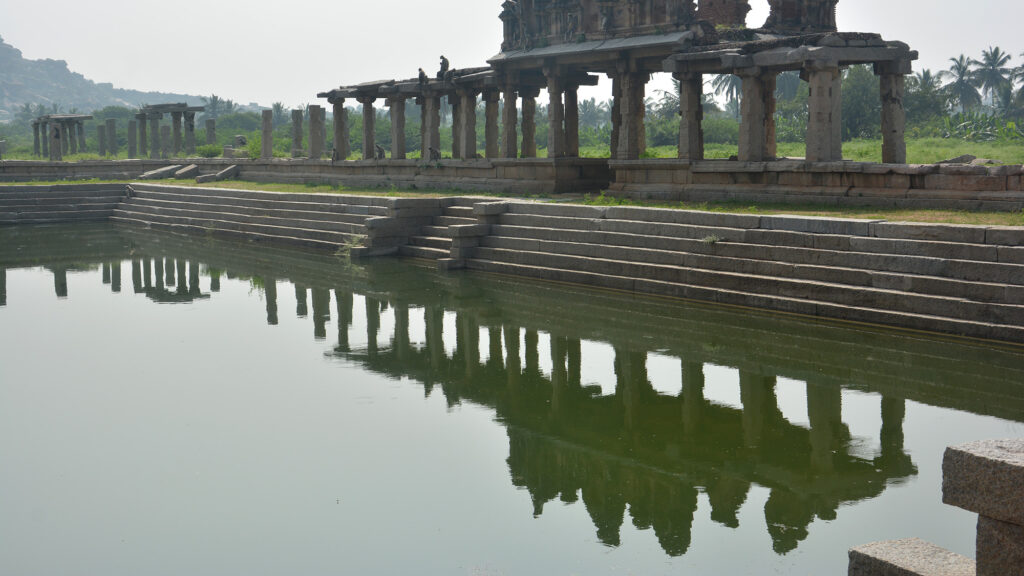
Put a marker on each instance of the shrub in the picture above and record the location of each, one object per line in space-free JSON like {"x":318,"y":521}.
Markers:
{"x":209,"y":151}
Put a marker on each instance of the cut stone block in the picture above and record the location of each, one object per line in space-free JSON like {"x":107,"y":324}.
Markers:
{"x":165,"y":172}
{"x":190,"y":171}
{"x":909,"y":557}
{"x":225,"y":174}
{"x":986,"y":477}
{"x":1000,"y":548}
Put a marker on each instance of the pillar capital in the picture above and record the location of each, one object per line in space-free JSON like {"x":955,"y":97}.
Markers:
{"x":894,"y":67}
{"x":366,"y":99}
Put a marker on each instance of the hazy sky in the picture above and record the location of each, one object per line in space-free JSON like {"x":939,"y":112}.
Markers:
{"x":266,"y":51}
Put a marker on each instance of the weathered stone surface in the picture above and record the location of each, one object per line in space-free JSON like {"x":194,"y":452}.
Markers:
{"x":851,"y":226}
{"x":909,"y":557}
{"x":225,"y":174}
{"x":165,"y":172}
{"x":1000,"y":548}
{"x":933,"y":232}
{"x":1005,"y":235}
{"x":986,"y":477}
{"x":190,"y":171}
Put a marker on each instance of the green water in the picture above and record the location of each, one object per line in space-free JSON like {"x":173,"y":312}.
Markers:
{"x":177,"y":405}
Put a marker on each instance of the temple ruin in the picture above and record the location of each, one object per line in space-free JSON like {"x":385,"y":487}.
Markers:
{"x":560,"y":45}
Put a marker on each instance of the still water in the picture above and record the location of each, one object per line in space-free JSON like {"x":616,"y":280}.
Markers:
{"x":180,"y":405}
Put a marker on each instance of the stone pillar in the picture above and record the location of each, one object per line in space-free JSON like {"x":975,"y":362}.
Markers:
{"x":691,"y":116}
{"x":296,"y":133}
{"x":81,"y":136}
{"x":369,"y":124}
{"x":467,"y":125}
{"x":35,"y":139}
{"x":572,"y":121}
{"x":101,"y":139}
{"x":454,"y":100}
{"x":556,"y":115}
{"x":176,"y":129}
{"x":73,"y":137}
{"x":133,"y":144}
{"x":434,"y":126}
{"x":509,"y":118}
{"x":154,"y":136}
{"x":894,"y":118}
{"x":397,"y":109}
{"x":316,"y":148}
{"x":822,"y":103}
{"x":211,"y":132}
{"x":65,"y":137}
{"x":165,"y":141}
{"x":190,"y":133}
{"x":341,"y":145}
{"x":753,"y":117}
{"x":56,"y":148}
{"x":616,"y":113}
{"x":44,"y":131}
{"x":112,"y":136}
{"x":267,"y":135}
{"x":631,"y":106}
{"x":491,"y":147}
{"x":143,"y":139}
{"x":529,"y":147}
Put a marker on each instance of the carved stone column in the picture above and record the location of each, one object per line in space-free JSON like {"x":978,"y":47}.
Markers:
{"x":556,"y":115}
{"x":454,"y":101}
{"x":369,"y":121}
{"x":73,"y":137}
{"x":529,"y":122}
{"x":296,"y":133}
{"x":65,"y":137}
{"x":101,"y":139}
{"x":44,"y":132}
{"x":267,"y":135}
{"x":467,"y":124}
{"x":572,"y":121}
{"x":616,"y":113}
{"x":133,"y":142}
{"x":176,"y":131}
{"x":316,"y":147}
{"x":824,"y":105}
{"x":753,"y":117}
{"x":112,"y":136}
{"x":491,"y":149}
{"x":892,"y":83}
{"x":509,"y":119}
{"x":154,"y":136}
{"x":35,"y":139}
{"x":631,"y":105}
{"x":190,"y":133}
{"x":211,"y":132}
{"x":56,"y":148}
{"x":143,"y":138}
{"x":341,"y":138}
{"x":397,"y":106}
{"x":81,"y":135}
{"x":691,"y":116}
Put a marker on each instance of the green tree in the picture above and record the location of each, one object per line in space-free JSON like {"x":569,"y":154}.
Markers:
{"x":730,"y":86}
{"x":924,"y":99}
{"x":861,"y":104}
{"x":962,"y":89}
{"x":991,"y":73}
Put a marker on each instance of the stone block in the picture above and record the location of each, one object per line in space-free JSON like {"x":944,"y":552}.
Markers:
{"x":909,"y":557}
{"x":1005,"y":235}
{"x":490,"y":208}
{"x":159,"y":173}
{"x":930,"y":232}
{"x":1000,"y":548}
{"x":986,"y":477}
{"x":851,"y":226}
{"x":190,"y":171}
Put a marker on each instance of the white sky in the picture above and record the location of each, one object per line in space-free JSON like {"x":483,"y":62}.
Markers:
{"x":266,"y":51}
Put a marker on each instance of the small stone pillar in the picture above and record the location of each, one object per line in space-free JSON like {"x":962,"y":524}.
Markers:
{"x":112,"y":136}
{"x":631,"y":113}
{"x":341,"y":145}
{"x":296,"y":133}
{"x":556,"y":115}
{"x":81,"y":135}
{"x":35,"y":139}
{"x":190,"y":133}
{"x":572,"y":121}
{"x":165,"y":141}
{"x":56,"y":150}
{"x":754,"y":108}
{"x":133,"y":147}
{"x":467,"y":107}
{"x":892,"y":84}
{"x":509,"y":119}
{"x":73,"y":137}
{"x":824,"y":106}
{"x":176,"y":128}
{"x":316,"y":147}
{"x":529,"y":148}
{"x":211,"y":132}
{"x":44,"y":131}
{"x":397,"y":108}
{"x":143,"y":138}
{"x":101,"y":139}
{"x":491,"y":148}
{"x":369,"y":121}
{"x":456,"y":126}
{"x":691,"y":116}
{"x":267,"y":135}
{"x":616,"y":114}
{"x":154,"y":136}
{"x":65,"y":138}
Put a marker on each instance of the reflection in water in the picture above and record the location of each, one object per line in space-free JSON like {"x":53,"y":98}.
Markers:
{"x":634,"y":453}
{"x":3,"y":286}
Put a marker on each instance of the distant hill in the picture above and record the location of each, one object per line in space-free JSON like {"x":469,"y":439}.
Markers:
{"x":50,"y":82}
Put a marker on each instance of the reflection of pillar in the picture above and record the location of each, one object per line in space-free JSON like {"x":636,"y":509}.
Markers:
{"x":893,"y":412}
{"x":343,"y":299}
{"x":3,"y":286}
{"x":115,"y":277}
{"x":825,"y":412}
{"x":693,"y":397}
{"x":400,"y":342}
{"x":531,"y":342}
{"x":193,"y":278}
{"x":372,"y":324}
{"x":105,"y":267}
{"x":513,"y":365}
{"x":182,"y":286}
{"x":321,"y":311}
{"x":470,"y":341}
{"x":301,"y":307}
{"x":574,"y":356}
{"x":60,"y":282}
{"x":158,"y":273}
{"x":214,"y":279}
{"x":147,"y":271}
{"x":757,"y":393}
{"x":494,"y":351}
{"x":559,"y":374}
{"x":270,"y":292}
{"x":630,"y":382}
{"x":433,"y":319}
{"x":136,"y":276}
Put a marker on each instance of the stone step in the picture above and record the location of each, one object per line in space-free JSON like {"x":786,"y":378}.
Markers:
{"x":840,"y":294}
{"x":866,"y":277}
{"x":319,"y":198}
{"x":1014,"y":333}
{"x":431,"y":242}
{"x":438,"y":231}
{"x":227,"y":233}
{"x":453,"y":221}
{"x":460,"y":212}
{"x":424,"y":252}
{"x":283,"y":202}
{"x":15,"y":202}
{"x":49,"y":216}
{"x":993,"y":272}
{"x":243,"y":227}
{"x":307,"y":213}
{"x":226,"y":214}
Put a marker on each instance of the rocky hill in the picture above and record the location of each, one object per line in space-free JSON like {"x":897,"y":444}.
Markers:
{"x":50,"y":82}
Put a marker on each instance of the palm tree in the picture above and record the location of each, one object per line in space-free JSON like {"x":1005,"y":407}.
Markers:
{"x":925,"y":81}
{"x":593,"y":113}
{"x":787,"y":85}
{"x":963,"y":87}
{"x":992,"y":72}
{"x":279,"y":114}
{"x":731,"y":86}
{"x":213,"y":105}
